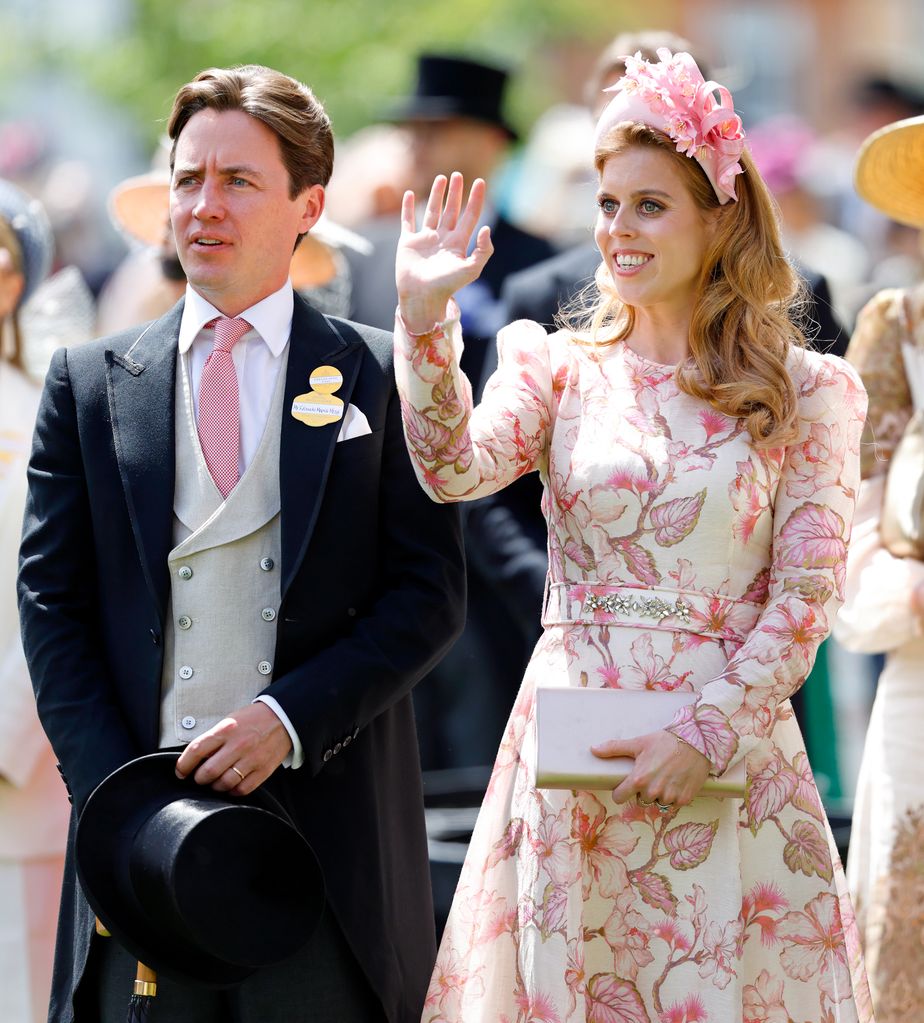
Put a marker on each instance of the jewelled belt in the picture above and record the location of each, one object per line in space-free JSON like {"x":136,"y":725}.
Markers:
{"x":708,"y":614}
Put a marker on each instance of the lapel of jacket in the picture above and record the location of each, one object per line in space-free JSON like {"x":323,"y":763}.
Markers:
{"x":306,"y":451}
{"x":141,"y":385}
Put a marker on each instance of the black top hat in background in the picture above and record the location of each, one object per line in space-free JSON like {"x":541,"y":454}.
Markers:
{"x":455,"y":87}
{"x":203,"y":887}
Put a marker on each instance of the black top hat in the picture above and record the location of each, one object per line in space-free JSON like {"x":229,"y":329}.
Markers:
{"x":202,"y":887}
{"x":455,"y":87}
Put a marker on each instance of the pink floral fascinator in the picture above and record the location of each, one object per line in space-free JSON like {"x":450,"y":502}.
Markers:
{"x":672,"y":96}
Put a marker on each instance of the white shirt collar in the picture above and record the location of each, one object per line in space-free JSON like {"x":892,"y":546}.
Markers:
{"x":271,"y":318}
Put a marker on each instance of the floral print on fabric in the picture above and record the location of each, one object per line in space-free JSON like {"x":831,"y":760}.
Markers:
{"x":894,"y":919}
{"x":571,"y":907}
{"x":876,"y":353}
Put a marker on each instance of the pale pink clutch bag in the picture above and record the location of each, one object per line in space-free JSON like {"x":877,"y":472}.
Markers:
{"x":569,"y":720}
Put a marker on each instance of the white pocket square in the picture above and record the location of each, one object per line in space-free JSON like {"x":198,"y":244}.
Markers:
{"x":354,"y":424}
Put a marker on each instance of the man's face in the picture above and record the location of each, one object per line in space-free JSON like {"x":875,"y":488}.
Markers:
{"x":454,"y":144}
{"x":234,"y":222}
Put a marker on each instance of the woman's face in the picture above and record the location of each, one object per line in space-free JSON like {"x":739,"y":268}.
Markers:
{"x":651,"y":234}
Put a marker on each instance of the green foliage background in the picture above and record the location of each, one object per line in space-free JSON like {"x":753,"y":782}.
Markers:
{"x":356,"y":54}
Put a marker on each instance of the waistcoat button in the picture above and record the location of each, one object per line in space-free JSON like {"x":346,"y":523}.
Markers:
{"x":268,"y":614}
{"x":188,"y":722}
{"x":184,"y":621}
{"x":185,"y":572}
{"x":267,"y":564}
{"x":264,"y":667}
{"x":186,"y":671}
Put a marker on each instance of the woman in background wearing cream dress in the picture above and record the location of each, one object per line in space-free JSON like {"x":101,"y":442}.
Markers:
{"x":33,"y":802}
{"x":884,"y":612}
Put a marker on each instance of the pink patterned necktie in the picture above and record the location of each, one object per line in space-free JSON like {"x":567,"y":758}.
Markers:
{"x":219,"y":405}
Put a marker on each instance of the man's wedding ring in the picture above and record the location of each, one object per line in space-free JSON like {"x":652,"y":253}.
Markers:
{"x":239,"y":773}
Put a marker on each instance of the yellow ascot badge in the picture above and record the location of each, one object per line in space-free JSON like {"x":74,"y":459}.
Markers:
{"x":320,"y":405}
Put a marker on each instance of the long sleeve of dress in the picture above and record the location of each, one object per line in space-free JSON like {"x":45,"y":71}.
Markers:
{"x":878,"y":614}
{"x":875,"y":351}
{"x":812,"y":514}
{"x":461,"y":452}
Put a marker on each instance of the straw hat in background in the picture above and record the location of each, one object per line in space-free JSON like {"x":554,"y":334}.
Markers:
{"x":889,"y":172}
{"x":140,"y":207}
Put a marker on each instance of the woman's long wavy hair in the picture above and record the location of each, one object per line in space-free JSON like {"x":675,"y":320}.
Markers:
{"x":741,"y":331}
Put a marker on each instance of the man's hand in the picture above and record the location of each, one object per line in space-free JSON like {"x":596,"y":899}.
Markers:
{"x":239,"y":753}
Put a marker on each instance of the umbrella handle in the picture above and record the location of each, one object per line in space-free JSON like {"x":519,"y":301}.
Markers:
{"x":145,"y":977}
{"x":145,"y":981}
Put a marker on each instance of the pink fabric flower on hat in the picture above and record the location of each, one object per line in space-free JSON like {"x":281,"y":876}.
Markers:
{"x":699,"y":116}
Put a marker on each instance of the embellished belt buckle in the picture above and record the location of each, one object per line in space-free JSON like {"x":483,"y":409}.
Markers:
{"x":644,"y":607}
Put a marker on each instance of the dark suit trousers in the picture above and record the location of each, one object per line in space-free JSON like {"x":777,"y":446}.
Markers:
{"x":323,"y":983}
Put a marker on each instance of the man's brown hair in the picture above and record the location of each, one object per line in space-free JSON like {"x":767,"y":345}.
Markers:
{"x":287,"y":107}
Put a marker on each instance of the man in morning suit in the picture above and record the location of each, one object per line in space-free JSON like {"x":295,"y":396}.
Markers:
{"x":218,"y":557}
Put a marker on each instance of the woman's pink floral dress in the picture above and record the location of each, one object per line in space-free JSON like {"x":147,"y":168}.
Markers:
{"x":731,"y":562}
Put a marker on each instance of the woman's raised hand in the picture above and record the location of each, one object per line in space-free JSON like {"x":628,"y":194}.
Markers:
{"x":434,"y":263}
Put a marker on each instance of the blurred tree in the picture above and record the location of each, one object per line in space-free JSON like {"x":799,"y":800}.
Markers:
{"x":356,"y":54}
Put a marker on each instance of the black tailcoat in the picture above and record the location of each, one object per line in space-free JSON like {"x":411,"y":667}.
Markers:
{"x":372,"y":587}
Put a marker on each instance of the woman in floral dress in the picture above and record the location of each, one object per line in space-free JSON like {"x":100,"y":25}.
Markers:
{"x":692,"y":451}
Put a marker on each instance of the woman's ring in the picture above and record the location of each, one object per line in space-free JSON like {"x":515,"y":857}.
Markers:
{"x":644,"y":802}
{"x":238,"y":773}
{"x":664,"y":809}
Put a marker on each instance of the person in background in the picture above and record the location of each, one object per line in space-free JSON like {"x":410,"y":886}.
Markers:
{"x":874,"y":98}
{"x":884,"y":610}
{"x":455,"y":118}
{"x":150,"y":279}
{"x":834,"y":263}
{"x":372,"y":173}
{"x":34,"y":810}
{"x":699,"y":467}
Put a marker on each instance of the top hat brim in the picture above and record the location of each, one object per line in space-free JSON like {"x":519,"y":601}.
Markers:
{"x":444,"y":108}
{"x":889,"y":172}
{"x":112,"y":817}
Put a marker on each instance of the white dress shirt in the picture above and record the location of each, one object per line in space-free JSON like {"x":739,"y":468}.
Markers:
{"x":258,"y":357}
